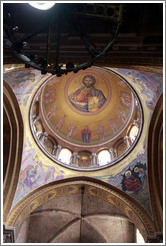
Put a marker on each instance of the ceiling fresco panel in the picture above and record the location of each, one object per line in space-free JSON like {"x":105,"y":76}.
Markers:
{"x":37,"y":169}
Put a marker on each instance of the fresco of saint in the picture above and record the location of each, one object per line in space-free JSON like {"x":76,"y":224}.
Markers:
{"x":134,"y":180}
{"x":60,"y":122}
{"x":86,"y":134}
{"x":101,"y":132}
{"x":71,"y":130}
{"x":132,"y":183}
{"x":87,"y":98}
{"x":113,"y":126}
{"x":126,"y":99}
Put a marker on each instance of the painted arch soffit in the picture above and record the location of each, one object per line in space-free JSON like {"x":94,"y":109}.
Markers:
{"x":132,"y":209}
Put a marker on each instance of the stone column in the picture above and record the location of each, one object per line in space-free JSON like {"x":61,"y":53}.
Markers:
{"x":42,"y":137}
{"x":35,"y":118}
{"x":94,"y":159}
{"x":91,"y":161}
{"x":111,"y":150}
{"x":77,"y":158}
{"x":74,"y":158}
{"x":58,"y":151}
{"x":97,"y":161}
{"x":115,"y":153}
{"x":128,"y":141}
{"x":53,"y":150}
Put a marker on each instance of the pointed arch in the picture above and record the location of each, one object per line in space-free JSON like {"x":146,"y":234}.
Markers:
{"x":13,"y":116}
{"x":155,"y":164}
{"x":99,"y":189}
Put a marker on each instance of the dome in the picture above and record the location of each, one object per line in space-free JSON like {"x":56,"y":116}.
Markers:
{"x":84,"y":114}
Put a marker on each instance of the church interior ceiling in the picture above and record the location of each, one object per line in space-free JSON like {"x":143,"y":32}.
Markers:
{"x":86,"y":113}
{"x":38,"y":169}
{"x":91,"y":124}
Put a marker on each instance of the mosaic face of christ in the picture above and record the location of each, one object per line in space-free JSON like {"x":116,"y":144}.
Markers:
{"x":88,"y":98}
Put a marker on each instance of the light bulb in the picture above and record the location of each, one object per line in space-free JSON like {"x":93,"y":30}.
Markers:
{"x":42,"y":5}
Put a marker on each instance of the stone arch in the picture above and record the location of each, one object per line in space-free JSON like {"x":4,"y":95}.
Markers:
{"x":13,"y":115}
{"x":96,"y":188}
{"x":155,"y":164}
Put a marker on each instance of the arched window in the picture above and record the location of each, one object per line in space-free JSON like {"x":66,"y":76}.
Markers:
{"x":65,"y":156}
{"x":133,"y":133}
{"x":104,"y":157}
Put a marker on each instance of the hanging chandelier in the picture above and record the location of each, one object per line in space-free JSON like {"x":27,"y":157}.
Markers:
{"x":56,"y":18}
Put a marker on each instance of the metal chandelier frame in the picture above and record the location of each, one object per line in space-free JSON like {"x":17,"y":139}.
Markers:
{"x":112,"y":12}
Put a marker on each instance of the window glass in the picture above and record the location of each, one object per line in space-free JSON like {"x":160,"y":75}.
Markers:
{"x":133,"y":133}
{"x":65,"y":156}
{"x":104,"y":157}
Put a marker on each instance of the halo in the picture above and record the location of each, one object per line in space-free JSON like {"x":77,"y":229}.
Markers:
{"x":126,"y":173}
{"x":136,"y":169}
